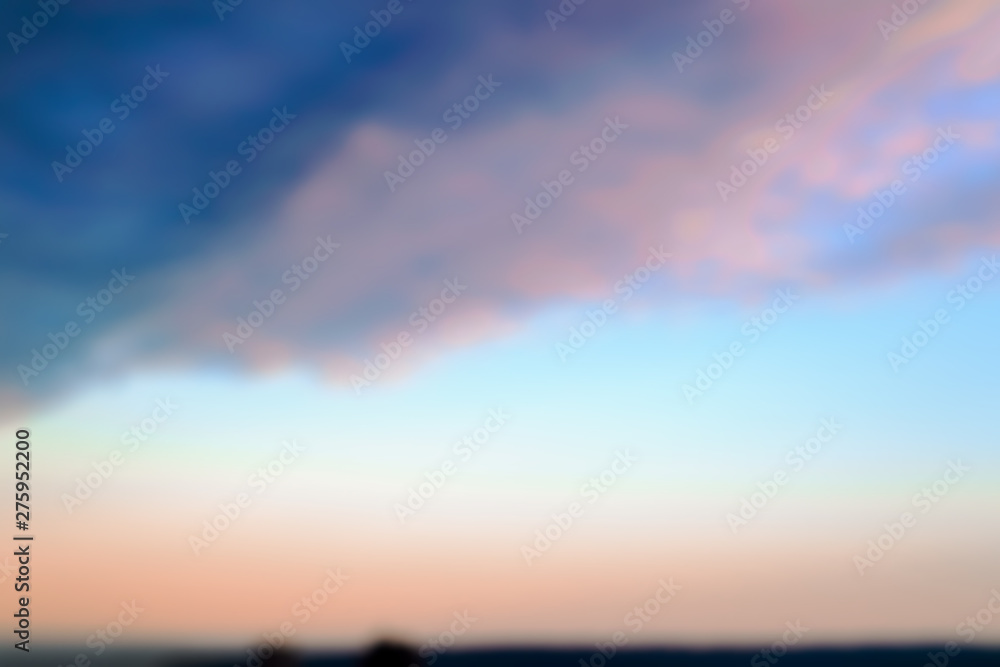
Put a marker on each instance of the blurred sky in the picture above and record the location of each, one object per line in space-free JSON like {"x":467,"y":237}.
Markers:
{"x":904,"y":118}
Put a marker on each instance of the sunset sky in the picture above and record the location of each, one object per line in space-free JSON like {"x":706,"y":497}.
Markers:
{"x":621,"y":248}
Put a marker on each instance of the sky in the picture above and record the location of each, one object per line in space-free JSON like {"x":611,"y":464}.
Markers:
{"x":504,"y":310}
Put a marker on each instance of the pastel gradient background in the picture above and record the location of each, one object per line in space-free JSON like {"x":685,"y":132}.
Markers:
{"x":497,"y":345}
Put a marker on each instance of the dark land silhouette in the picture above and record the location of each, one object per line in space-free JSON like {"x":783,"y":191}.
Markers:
{"x":390,"y":654}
